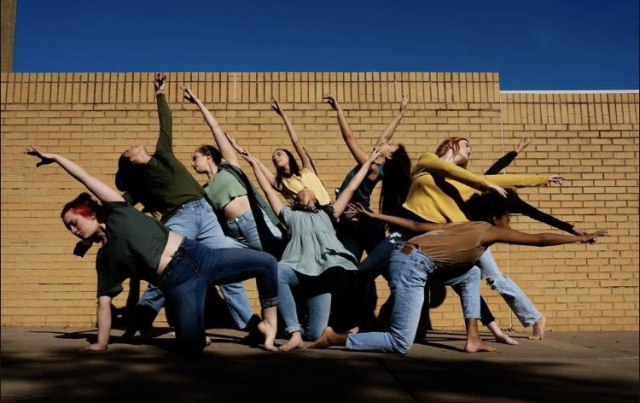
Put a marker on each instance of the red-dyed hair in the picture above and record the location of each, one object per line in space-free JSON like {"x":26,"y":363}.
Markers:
{"x":86,"y":206}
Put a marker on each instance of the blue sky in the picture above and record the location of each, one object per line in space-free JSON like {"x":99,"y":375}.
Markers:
{"x":533,"y":45}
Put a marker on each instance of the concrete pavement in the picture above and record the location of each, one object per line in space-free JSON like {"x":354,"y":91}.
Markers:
{"x":42,"y":365}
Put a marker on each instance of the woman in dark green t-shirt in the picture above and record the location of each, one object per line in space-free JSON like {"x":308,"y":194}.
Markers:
{"x":135,"y":245}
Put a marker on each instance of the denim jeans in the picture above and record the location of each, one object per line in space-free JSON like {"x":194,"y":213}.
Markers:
{"x":377,"y":263}
{"x":244,"y":230}
{"x":185,"y":280}
{"x":318,"y":303}
{"x":521,"y":306}
{"x":408,"y":274}
{"x":196,"y":220}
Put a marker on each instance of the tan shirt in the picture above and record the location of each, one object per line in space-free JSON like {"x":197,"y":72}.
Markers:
{"x":456,"y":245}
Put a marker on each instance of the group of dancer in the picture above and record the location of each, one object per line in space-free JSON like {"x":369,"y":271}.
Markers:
{"x":435,"y":224}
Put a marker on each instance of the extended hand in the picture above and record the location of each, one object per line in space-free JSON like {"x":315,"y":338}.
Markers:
{"x":403,"y":104}
{"x":523,"y":144}
{"x":331,"y":100}
{"x":160,"y":81}
{"x":556,"y":179}
{"x":188,"y":94}
{"x":45,"y":159}
{"x":276,"y":106}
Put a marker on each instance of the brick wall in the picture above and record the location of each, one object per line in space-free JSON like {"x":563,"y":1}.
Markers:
{"x":591,"y":138}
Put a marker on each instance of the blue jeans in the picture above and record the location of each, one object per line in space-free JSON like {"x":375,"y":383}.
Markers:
{"x":521,"y":306}
{"x":185,"y":280}
{"x":408,"y":273}
{"x":244,"y":230}
{"x":377,"y":263}
{"x":196,"y":220}
{"x":318,"y":303}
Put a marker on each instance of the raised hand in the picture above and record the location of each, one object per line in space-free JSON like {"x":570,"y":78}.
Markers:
{"x":276,"y":106}
{"x":556,"y":179}
{"x":331,"y":100}
{"x":235,"y":145}
{"x":188,"y":94}
{"x":524,"y":142}
{"x":45,"y":159}
{"x":404,"y":103}
{"x":159,"y":82}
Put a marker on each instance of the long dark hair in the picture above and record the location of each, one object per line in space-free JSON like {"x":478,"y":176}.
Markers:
{"x":395,"y":183}
{"x":86,"y":206}
{"x":294,"y":168}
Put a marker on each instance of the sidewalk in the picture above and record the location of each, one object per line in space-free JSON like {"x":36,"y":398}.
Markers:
{"x":42,"y":365}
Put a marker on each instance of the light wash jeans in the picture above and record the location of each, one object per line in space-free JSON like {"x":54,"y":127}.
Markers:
{"x":318,"y":304}
{"x":244,"y":230}
{"x":521,"y":306}
{"x":196,"y":220}
{"x":185,"y":280}
{"x":408,"y":275}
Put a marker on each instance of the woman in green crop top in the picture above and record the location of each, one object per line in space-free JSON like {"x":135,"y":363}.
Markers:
{"x":243,"y":212}
{"x":134,"y":245}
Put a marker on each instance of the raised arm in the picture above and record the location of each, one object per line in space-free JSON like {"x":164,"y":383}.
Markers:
{"x":165,"y":138}
{"x":358,"y":152}
{"x":272,"y":195}
{"x":508,"y":158}
{"x":343,"y":200}
{"x":389,"y":131}
{"x":226,"y":149}
{"x":413,"y":226}
{"x":93,"y":184}
{"x":511,"y":236}
{"x":295,"y":141}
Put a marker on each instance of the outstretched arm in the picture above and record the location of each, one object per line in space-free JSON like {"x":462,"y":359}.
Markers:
{"x":508,"y":158}
{"x":413,"y":226}
{"x":104,"y":325}
{"x":511,"y":236}
{"x":358,"y":153}
{"x":93,"y":184}
{"x":343,"y":200}
{"x":386,"y":135}
{"x":269,"y":191}
{"x":226,"y":149}
{"x":165,"y":138}
{"x":295,"y":141}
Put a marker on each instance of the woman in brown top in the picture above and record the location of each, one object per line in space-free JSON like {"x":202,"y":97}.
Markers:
{"x":447,"y":247}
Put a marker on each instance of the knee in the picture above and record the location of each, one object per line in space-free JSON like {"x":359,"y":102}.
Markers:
{"x":400,"y":343}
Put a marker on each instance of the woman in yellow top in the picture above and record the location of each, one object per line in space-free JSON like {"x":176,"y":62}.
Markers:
{"x":289,"y":178}
{"x":441,"y":185}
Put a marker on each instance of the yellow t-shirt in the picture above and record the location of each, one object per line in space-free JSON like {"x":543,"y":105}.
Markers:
{"x":306,"y":179}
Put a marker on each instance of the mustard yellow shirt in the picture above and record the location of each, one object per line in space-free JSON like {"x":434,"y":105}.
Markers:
{"x":292,"y":185}
{"x":439,"y":189}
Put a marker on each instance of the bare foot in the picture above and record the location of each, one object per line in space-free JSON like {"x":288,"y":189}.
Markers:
{"x":269,"y":331}
{"x":538,"y":329}
{"x":504,"y":339}
{"x":330,"y":338}
{"x":475,"y":346}
{"x":294,"y":343}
